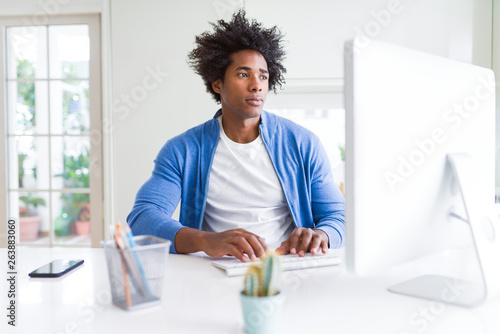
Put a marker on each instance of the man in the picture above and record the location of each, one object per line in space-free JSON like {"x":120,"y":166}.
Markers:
{"x":246,"y":178}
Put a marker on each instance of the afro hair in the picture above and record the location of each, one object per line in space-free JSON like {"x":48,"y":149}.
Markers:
{"x":212,"y":56}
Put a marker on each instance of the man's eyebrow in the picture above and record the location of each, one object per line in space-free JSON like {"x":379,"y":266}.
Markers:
{"x":246,"y":68}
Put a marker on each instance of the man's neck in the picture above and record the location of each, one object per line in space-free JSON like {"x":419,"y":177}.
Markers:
{"x":241,"y":131}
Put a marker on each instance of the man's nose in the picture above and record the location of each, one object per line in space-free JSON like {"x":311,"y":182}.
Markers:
{"x":255,"y":84}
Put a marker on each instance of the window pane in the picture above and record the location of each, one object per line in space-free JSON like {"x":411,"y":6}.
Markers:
{"x":69,"y":107}
{"x":71,"y":218}
{"x":27,"y":52}
{"x":70,"y":162}
{"x":33,"y":215}
{"x":27,"y":104}
{"x":329,"y":126}
{"x":28,"y":162}
{"x":69,"y":51}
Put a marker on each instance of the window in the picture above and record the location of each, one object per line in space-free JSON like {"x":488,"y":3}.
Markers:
{"x":52,"y":96}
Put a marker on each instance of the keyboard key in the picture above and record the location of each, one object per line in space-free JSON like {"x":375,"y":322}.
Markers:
{"x":235,"y":267}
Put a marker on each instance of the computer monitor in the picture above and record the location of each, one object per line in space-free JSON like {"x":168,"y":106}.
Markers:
{"x":415,"y":126}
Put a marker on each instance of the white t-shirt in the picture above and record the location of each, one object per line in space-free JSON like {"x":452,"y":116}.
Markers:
{"x":244,"y":192}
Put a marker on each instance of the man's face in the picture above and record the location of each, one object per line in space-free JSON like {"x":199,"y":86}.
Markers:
{"x":245,"y":86}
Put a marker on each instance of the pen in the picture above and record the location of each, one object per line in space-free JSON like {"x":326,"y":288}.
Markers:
{"x":126,"y":233}
{"x":130,"y":236}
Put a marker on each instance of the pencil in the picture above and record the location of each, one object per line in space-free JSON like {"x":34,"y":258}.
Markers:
{"x":128,"y":300}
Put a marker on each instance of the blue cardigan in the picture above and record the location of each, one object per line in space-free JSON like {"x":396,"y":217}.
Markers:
{"x":182,"y":170}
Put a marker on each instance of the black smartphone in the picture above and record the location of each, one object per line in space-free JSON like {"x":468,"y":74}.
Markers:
{"x":56,"y":268}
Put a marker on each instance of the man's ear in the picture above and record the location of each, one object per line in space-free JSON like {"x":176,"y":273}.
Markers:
{"x":216,"y":86}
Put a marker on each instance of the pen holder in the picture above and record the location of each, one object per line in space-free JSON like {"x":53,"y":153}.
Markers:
{"x":136,"y":274}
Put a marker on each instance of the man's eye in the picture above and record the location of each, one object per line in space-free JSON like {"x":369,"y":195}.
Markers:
{"x":243,"y":75}
{"x":263,"y":77}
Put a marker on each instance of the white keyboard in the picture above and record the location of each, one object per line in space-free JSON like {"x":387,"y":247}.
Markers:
{"x":235,"y":267}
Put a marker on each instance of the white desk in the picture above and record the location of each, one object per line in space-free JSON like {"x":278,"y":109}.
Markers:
{"x":199,"y":298}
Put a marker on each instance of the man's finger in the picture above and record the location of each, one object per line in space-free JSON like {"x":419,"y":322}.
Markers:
{"x":281,"y":250}
{"x":243,"y":243}
{"x":324,"y":240}
{"x":258,"y":245}
{"x":324,"y":246}
{"x":235,"y":251}
{"x":315,"y":245}
{"x":294,"y":240}
{"x":284,"y":248}
{"x":306,"y":237}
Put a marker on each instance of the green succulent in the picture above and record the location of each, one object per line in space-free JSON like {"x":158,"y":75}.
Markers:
{"x":262,"y":279}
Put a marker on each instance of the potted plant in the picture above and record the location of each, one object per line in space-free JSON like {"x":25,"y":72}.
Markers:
{"x":82,"y":226}
{"x":76,"y":206}
{"x":261,"y":298}
{"x":29,"y":220}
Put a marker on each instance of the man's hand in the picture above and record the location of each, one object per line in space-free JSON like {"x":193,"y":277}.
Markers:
{"x":303,"y":240}
{"x":234,"y":242}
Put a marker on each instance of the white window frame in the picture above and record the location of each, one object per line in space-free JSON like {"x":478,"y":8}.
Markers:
{"x":96,"y":135}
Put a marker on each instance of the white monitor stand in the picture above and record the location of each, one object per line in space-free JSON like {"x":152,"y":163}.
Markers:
{"x":485,"y":228}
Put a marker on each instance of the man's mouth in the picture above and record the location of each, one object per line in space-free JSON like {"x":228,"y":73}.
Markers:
{"x":254,"y":101}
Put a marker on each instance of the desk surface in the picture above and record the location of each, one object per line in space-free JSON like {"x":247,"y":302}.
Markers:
{"x":198,"y":298}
